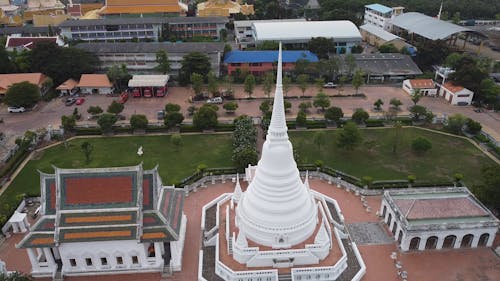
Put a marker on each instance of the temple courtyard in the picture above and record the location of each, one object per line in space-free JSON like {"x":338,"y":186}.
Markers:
{"x":377,"y":249}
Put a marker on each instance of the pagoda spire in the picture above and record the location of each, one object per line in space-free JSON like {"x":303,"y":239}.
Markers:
{"x":237,"y":189}
{"x":277,"y":128}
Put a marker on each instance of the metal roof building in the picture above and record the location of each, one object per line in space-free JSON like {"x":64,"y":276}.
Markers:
{"x":268,"y":56}
{"x":425,"y":26}
{"x":379,"y":32}
{"x":379,"y":8}
{"x":302,"y":32}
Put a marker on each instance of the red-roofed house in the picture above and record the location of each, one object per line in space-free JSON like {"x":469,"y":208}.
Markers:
{"x":119,"y":220}
{"x":426,"y":86}
{"x":95,"y":84}
{"x":455,"y":94}
{"x":438,"y":218}
{"x":28,"y":43}
{"x":7,"y":80}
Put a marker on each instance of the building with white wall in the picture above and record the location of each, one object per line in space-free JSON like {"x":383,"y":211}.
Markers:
{"x":243,"y":34}
{"x":380,"y":15}
{"x":106,"y":221}
{"x":456,"y":94}
{"x":438,"y":218}
{"x":425,"y":86}
{"x":344,"y":34}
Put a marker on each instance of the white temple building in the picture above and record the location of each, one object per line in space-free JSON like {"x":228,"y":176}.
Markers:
{"x":106,"y":221}
{"x":279,"y":228}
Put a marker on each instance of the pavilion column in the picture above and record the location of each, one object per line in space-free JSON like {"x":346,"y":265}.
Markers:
{"x":405,"y":244}
{"x":33,"y":258}
{"x":475,"y":241}
{"x":15,"y":227}
{"x":49,"y":257}
{"x":440,"y":242}
{"x":489,"y":243}
{"x":22,"y":226}
{"x":423,"y":241}
{"x":458,"y":242}
{"x":158,"y":253}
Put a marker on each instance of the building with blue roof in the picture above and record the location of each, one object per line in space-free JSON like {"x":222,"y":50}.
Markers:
{"x":380,"y":15}
{"x":260,"y":62}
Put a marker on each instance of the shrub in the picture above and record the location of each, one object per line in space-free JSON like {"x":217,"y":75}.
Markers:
{"x":360,"y":116}
{"x":301,"y":119}
{"x":473,"y":127}
{"x":421,"y":145}
{"x":138,"y":121}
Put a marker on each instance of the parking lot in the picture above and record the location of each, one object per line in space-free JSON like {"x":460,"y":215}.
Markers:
{"x":50,"y":113}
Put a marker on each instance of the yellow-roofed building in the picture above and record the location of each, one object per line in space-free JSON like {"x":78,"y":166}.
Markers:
{"x":223,"y":8}
{"x":141,"y":8}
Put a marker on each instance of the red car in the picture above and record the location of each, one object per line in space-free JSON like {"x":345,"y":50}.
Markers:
{"x":80,"y":101}
{"x":147,"y":93}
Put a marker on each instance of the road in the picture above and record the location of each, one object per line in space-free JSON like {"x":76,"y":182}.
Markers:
{"x":50,"y":113}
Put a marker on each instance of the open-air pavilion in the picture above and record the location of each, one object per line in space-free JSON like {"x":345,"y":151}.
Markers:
{"x":149,"y":85}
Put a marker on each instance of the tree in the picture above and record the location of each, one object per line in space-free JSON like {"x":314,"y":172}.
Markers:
{"x":342,"y":81}
{"x":469,"y":73}
{"x":22,"y":94}
{"x":473,"y":127}
{"x":106,"y":122}
{"x":360,"y":116}
{"x":349,"y":137}
{"x":139,"y":121}
{"x":304,"y":106}
{"x":162,"y":61}
{"x":223,"y":34}
{"x":6,"y":65}
{"x":205,"y":118}
{"x":321,"y":46}
{"x":418,"y":112}
{"x":265,"y":106}
{"x":302,"y":79}
{"x":267,"y":84}
{"x":15,"y":276}
{"x":194,"y":62}
{"x":287,"y":105}
{"x":287,"y":82}
{"x":119,"y":76}
{"x":172,"y":107}
{"x":357,"y":80}
{"x":396,"y":103}
{"x":334,"y":114}
{"x":191,"y":110}
{"x":213,"y":85}
{"x":319,"y":138}
{"x":388,"y":48}
{"x":176,"y":140}
{"x":197,"y":83}
{"x":456,"y":18}
{"x":94,"y":110}
{"x":115,"y":107}
{"x":421,"y":145}
{"x":249,"y":85}
{"x":87,"y":149}
{"x":490,"y":93}
{"x":455,"y":123}
{"x":321,"y":100}
{"x":301,"y":119}
{"x":230,"y":107}
{"x":378,"y":104}
{"x":487,"y":191}
{"x":173,"y":119}
{"x":350,"y":62}
{"x":68,"y":123}
{"x":416,"y":95}
{"x":328,"y":67}
{"x":244,"y":156}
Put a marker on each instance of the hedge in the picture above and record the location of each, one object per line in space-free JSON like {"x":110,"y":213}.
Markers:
{"x":374,"y":123}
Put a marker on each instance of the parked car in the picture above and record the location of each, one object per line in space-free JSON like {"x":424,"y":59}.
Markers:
{"x":80,"y":101}
{"x":16,"y":109}
{"x":329,"y":85}
{"x":70,"y":101}
{"x":160,"y":115}
{"x":123,"y":98}
{"x":215,"y":100}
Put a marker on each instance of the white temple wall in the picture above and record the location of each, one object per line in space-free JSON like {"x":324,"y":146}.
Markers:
{"x":106,"y":257}
{"x":176,"y":247}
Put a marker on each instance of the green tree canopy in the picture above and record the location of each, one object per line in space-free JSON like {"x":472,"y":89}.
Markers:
{"x":213,"y":84}
{"x":172,"y":107}
{"x":349,"y":137}
{"x":138,"y":121}
{"x":321,"y":100}
{"x":396,"y":103}
{"x":473,"y":127}
{"x":301,"y":119}
{"x":487,"y":191}
{"x":388,"y":48}
{"x":302,"y":79}
{"x":455,"y":123}
{"x":230,"y":107}
{"x":267,"y":84}
{"x":87,"y":149}
{"x":68,"y":122}
{"x":197,"y":83}
{"x":360,"y":116}
{"x":115,"y":107}
{"x":357,"y":80}
{"x":106,"y":122}
{"x":194,"y":62}
{"x":6,"y":65}
{"x":94,"y":110}
{"x":334,"y":114}
{"x":249,"y":84}
{"x":163,"y":62}
{"x":421,"y":145}
{"x":119,"y":76}
{"x":22,"y":94}
{"x":321,"y":46}
{"x":173,"y":119}
{"x":378,"y":103}
{"x":205,"y":118}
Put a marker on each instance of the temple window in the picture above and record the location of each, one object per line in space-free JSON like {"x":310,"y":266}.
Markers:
{"x":88,"y":261}
{"x":135,"y":260}
{"x":104,"y":261}
{"x":72,"y":262}
{"x":119,"y":260}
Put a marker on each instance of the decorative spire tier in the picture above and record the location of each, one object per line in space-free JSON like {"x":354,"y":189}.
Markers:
{"x":277,"y":210}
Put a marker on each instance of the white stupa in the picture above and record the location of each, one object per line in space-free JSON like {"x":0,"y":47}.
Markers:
{"x":277,"y":210}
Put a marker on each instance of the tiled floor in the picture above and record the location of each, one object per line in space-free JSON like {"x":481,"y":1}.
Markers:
{"x":445,"y":265}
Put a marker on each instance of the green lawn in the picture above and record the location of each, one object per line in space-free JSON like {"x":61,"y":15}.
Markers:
{"x":212,"y":150}
{"x":449,"y":155}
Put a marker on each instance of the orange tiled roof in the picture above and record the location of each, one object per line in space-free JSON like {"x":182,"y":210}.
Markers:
{"x":153,"y":235}
{"x":69,"y":84}
{"x":453,"y":88}
{"x":97,"y":234}
{"x":98,"y":219}
{"x":6,"y":80}
{"x":94,"y":80}
{"x":422,"y":83}
{"x":439,"y":208}
{"x":141,"y":9}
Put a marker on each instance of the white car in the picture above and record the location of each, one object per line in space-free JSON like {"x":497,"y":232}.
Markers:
{"x":15,"y":109}
{"x":215,"y":100}
{"x":330,"y":85}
